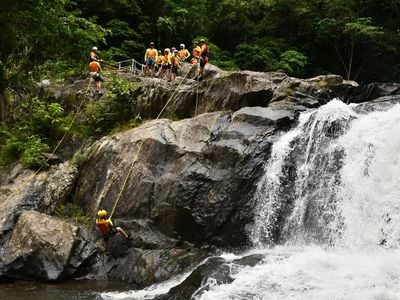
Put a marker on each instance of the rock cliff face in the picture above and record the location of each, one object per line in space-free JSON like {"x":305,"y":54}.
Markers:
{"x":183,"y":189}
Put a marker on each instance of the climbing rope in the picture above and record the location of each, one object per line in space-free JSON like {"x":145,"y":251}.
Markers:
{"x":197,"y":97}
{"x":140,"y":148}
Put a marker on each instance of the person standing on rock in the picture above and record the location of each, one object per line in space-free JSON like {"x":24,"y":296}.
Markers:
{"x":106,"y":227}
{"x":174,"y":66}
{"x":95,"y":69}
{"x":184,"y":54}
{"x":150,"y":58}
{"x":204,"y":54}
{"x":195,"y":53}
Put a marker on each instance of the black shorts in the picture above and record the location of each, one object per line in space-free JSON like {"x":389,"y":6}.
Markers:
{"x":97,"y":77}
{"x":174,"y":69}
{"x":111,"y":233}
{"x":203,"y":61}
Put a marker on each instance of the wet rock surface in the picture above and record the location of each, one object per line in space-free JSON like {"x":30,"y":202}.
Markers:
{"x":214,"y":271}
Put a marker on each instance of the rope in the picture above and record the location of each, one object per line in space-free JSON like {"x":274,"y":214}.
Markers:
{"x":140,"y":148}
{"x":197,"y":97}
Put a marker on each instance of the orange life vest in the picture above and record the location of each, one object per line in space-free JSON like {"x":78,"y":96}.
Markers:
{"x":196,"y":51}
{"x":174,"y":60}
{"x":94,"y":66}
{"x":182,"y":53}
{"x":103,"y":227}
{"x":151,"y":52}
{"x":166,"y":59}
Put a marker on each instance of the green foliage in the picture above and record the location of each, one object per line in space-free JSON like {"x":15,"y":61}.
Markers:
{"x":31,"y":33}
{"x":293,"y":62}
{"x":255,"y":57}
{"x":118,"y":106}
{"x":36,"y":128}
{"x":27,"y":149}
{"x":72,"y":211}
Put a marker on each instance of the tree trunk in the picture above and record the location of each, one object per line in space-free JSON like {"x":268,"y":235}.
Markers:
{"x":3,"y":107}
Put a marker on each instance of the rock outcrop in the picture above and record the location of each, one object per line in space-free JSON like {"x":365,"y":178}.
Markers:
{"x":183,"y":189}
{"x":191,"y":178}
{"x":45,"y":248}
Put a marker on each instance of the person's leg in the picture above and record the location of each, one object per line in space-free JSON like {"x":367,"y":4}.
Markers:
{"x":122,"y":232}
{"x":97,"y":83}
{"x":106,"y":245}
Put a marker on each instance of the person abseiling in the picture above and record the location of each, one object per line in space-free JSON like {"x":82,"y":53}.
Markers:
{"x":95,"y":70}
{"x":93,"y":55}
{"x":150,"y":58}
{"x":106,"y":227}
{"x":204,"y":54}
{"x":183,"y":53}
{"x":195,"y":53}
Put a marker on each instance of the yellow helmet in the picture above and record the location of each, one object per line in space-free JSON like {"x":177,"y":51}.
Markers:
{"x":102,"y":213}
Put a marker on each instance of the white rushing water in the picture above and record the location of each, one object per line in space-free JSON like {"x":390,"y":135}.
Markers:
{"x":341,"y":226}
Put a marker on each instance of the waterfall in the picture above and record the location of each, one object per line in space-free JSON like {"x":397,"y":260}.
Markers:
{"x":297,"y":197}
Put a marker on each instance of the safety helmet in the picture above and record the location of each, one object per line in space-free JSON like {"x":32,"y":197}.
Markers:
{"x":152,"y":43}
{"x":195,"y":42}
{"x":182,"y":45}
{"x":101,"y":213}
{"x":166,"y":50}
{"x":173,"y":48}
{"x":159,"y":51}
{"x":176,"y":51}
{"x":94,"y":49}
{"x":202,"y":41}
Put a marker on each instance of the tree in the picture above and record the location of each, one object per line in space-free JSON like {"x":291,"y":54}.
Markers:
{"x":32,"y":32}
{"x":349,"y":36}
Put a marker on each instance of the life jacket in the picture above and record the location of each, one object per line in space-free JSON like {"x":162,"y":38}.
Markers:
{"x":196,"y":51}
{"x":204,"y":51}
{"x":93,"y":56}
{"x":174,"y":60}
{"x":94,"y":66}
{"x":159,"y":59}
{"x":182,"y":53}
{"x":151,"y":53}
{"x":166,"y":59}
{"x":102,"y":225}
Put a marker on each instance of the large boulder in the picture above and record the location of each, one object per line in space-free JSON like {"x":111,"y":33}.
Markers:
{"x":23,"y":189}
{"x":45,"y":248}
{"x":193,"y":178}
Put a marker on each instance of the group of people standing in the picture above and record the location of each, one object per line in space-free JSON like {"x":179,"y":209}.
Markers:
{"x":166,"y":64}
{"x":162,"y":65}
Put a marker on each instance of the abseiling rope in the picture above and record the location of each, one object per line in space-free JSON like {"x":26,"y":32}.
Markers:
{"x":140,"y":148}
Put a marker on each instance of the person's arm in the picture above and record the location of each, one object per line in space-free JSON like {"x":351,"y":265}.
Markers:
{"x":145,"y":55}
{"x":110,"y":223}
{"x":187,"y":53}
